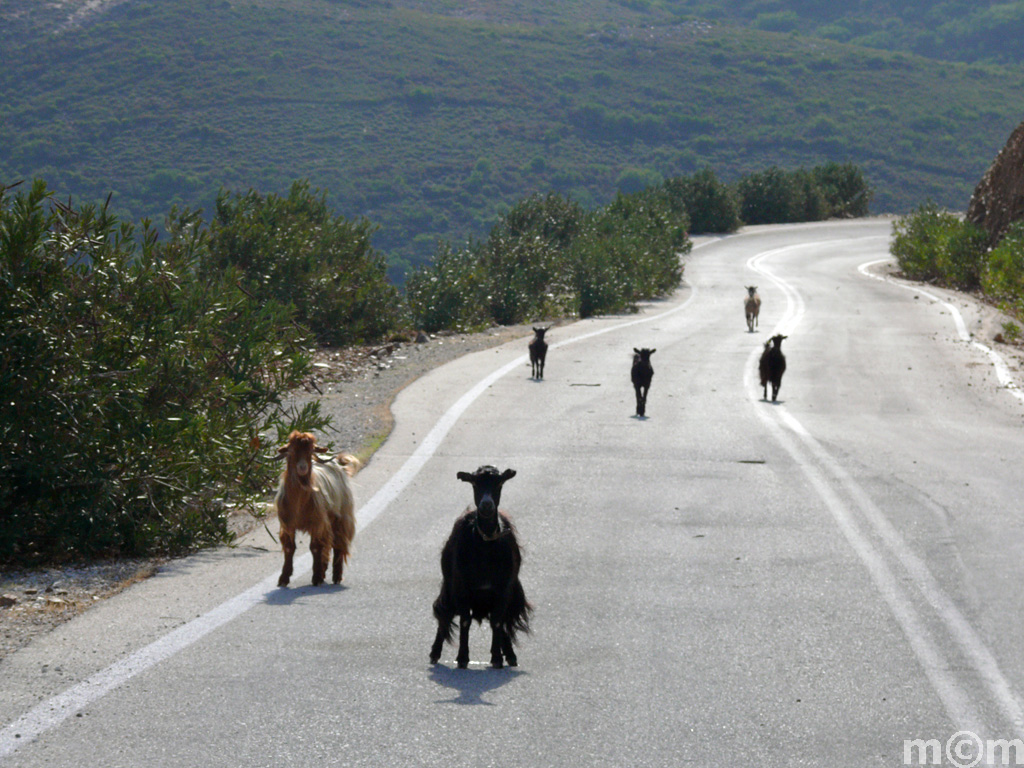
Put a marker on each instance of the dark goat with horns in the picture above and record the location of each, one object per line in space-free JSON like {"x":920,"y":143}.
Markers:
{"x":480,"y":574}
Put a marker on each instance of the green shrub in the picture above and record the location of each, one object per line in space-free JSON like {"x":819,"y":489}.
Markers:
{"x":1002,"y":277}
{"x":293,"y":250}
{"x":448,"y":292}
{"x":524,"y":256}
{"x":768,"y":197}
{"x":547,"y":257}
{"x":629,"y":251}
{"x":933,"y":244}
{"x":134,"y":393}
{"x":775,"y":196}
{"x":847,"y":194}
{"x":710,"y":204}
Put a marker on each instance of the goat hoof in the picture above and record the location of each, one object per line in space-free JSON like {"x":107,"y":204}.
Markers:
{"x":462,"y":663}
{"x":282,"y":582}
{"x":497,"y":663}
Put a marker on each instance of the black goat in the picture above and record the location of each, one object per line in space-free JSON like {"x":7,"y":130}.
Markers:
{"x":641,"y":375}
{"x":538,"y":352}
{"x":772,"y":365}
{"x":480,"y":574}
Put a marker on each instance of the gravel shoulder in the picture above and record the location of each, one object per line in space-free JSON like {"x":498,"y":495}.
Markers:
{"x":355,"y":386}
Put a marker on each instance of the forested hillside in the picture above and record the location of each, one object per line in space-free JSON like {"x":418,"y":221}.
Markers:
{"x":431,"y":118}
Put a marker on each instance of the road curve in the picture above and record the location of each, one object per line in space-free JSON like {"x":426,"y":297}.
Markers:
{"x":729,"y":581}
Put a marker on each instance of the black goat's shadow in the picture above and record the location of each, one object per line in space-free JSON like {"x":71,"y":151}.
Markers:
{"x":289,"y":595}
{"x":472,"y":684}
{"x":772,"y":402}
{"x":639,"y":418}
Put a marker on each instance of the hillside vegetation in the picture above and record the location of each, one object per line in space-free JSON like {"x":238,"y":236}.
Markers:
{"x":430,"y":121}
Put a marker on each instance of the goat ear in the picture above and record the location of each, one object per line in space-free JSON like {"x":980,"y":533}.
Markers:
{"x":653,"y":351}
{"x":282,"y":451}
{"x":508,"y":474}
{"x":636,"y":350}
{"x":466,"y":477}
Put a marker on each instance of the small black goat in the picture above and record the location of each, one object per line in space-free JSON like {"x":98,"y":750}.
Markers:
{"x":538,"y":352}
{"x":480,"y":574}
{"x":641,"y":375}
{"x":772,"y":365}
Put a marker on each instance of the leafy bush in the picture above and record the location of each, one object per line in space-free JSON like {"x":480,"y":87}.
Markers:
{"x":1003,"y":275}
{"x":448,"y":293}
{"x":775,"y":196}
{"x":629,"y":251}
{"x":294,"y":251}
{"x":933,"y":244}
{"x":846,"y":192}
{"x":547,"y":257}
{"x":768,"y":197}
{"x":133,"y":392}
{"x":710,"y":204}
{"x":524,"y":256}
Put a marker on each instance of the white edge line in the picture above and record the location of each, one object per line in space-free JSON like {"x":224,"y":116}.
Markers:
{"x":53,"y":711}
{"x":998,"y":361}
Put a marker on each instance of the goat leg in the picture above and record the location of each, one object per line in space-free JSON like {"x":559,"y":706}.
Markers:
{"x":463,"y":657}
{"x":435,"y":649}
{"x":506,"y":648}
{"x":339,"y":564}
{"x":288,"y":546}
{"x":497,"y":642}
{"x":320,"y":555}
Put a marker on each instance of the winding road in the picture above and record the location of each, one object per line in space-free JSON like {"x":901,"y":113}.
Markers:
{"x":834,"y":579}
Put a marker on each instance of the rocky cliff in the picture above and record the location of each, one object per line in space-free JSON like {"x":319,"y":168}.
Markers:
{"x":998,"y":200}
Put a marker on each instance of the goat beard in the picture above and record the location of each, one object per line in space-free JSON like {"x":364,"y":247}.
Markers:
{"x":489,"y":525}
{"x":305,"y":481}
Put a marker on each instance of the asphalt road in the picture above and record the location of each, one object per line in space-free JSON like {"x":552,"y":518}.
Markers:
{"x":726,"y":582}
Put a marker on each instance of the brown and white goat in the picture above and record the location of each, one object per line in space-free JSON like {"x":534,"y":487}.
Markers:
{"x":752,"y":307}
{"x":315,"y":496}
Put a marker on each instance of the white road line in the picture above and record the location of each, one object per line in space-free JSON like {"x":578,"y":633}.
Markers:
{"x":55,"y":710}
{"x":998,"y":361}
{"x":937,"y":668}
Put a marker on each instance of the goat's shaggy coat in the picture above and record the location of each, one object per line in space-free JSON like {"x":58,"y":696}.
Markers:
{"x":772,"y":365}
{"x":641,"y":374}
{"x":538,"y":352}
{"x":752,"y":307}
{"x":315,"y":496}
{"x":480,"y":575}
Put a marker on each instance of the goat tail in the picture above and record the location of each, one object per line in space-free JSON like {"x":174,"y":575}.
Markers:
{"x":519,"y":613}
{"x":349,"y":463}
{"x":445,"y":620}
